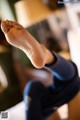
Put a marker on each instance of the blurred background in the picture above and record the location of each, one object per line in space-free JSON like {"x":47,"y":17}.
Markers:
{"x":49,"y":22}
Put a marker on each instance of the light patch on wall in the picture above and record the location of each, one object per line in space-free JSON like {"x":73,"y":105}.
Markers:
{"x":3,"y":80}
{"x":5,"y":10}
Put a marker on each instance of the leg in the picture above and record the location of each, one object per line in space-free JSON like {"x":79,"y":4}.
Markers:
{"x":74,"y":108}
{"x":54,"y":116}
{"x":33,"y":94}
{"x":17,"y":36}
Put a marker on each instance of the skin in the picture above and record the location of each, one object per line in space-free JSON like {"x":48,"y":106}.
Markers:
{"x":17,"y":36}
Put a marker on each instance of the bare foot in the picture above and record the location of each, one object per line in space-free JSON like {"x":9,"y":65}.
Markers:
{"x":17,"y":36}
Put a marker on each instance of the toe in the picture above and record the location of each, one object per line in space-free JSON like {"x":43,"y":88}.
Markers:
{"x":17,"y":26}
{"x":7,"y":22}
{"x":14,"y":23}
{"x":4,"y":27}
{"x":10,"y":23}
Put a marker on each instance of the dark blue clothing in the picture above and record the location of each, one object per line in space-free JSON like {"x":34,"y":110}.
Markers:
{"x":41,"y":101}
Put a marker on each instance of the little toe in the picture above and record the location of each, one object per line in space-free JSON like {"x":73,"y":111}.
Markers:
{"x":17,"y":26}
{"x":13,"y":23}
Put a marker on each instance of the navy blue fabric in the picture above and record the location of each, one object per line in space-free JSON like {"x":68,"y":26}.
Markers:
{"x":45,"y":100}
{"x":62,"y":69}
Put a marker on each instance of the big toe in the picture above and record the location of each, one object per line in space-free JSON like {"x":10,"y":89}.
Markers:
{"x":4,"y":27}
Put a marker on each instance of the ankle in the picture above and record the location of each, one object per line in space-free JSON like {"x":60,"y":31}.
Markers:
{"x":48,"y":56}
